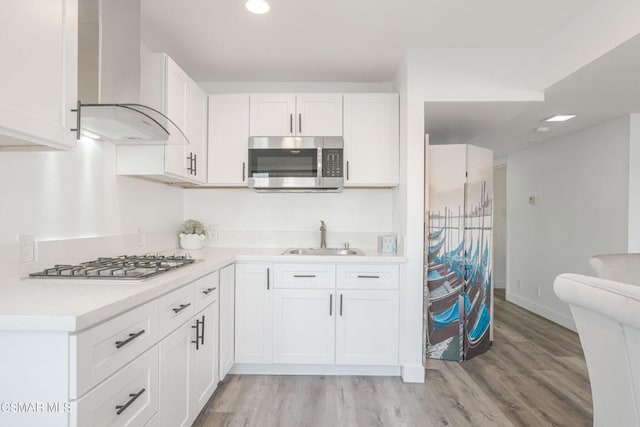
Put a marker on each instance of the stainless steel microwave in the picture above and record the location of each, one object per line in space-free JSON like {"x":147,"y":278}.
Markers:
{"x":296,"y":163}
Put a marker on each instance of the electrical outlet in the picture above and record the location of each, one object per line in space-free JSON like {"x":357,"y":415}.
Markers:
{"x":213,"y":232}
{"x":26,"y":247}
{"x":539,"y":290}
{"x":518,"y":284}
{"x":142,"y":237}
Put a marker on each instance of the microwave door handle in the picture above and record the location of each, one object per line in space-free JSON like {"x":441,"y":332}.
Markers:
{"x":320,"y":167}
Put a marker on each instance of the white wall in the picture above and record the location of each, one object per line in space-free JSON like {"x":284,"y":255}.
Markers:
{"x":500,"y":226}
{"x":73,"y":194}
{"x":634,"y":184}
{"x":581,"y":182}
{"x":247,"y":218}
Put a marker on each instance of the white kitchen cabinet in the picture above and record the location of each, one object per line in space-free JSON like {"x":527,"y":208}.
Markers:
{"x":167,"y":88}
{"x":303,"y":326}
{"x":228,"y":139}
{"x":175,"y":376}
{"x":371,"y":139}
{"x":204,"y":360}
{"x":39,"y":82}
{"x":227,"y":313}
{"x":367,"y":327}
{"x":313,"y":114}
{"x":254,"y":311}
{"x":189,"y":368}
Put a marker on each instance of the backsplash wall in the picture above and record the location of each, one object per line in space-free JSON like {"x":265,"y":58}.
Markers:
{"x":247,"y":218}
{"x":76,"y":194}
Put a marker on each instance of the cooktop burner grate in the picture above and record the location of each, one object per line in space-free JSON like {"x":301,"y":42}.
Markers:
{"x":125,"y":267}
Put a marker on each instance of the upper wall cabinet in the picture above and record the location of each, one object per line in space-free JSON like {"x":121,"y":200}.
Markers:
{"x":167,"y":88}
{"x":371,"y":139}
{"x":39,"y":53}
{"x":228,"y":138}
{"x":310,"y":114}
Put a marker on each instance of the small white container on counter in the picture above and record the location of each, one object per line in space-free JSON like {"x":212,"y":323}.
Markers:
{"x":388,"y":244}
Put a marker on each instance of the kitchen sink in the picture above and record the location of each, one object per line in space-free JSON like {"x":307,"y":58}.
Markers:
{"x":322,"y":251}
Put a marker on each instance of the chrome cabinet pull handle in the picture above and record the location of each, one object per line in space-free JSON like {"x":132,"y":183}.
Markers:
{"x":367,"y":277}
{"x":300,"y":122}
{"x":304,"y":275}
{"x":268,"y":274}
{"x":243,"y":170}
{"x":78,"y":119}
{"x":340,"y":304}
{"x":347,"y":170}
{"x":199,"y":339}
{"x":182,"y":307}
{"x":134,"y":396}
{"x":195,"y":164}
{"x":132,"y":337}
{"x":209,"y":290}
{"x":290,"y":122}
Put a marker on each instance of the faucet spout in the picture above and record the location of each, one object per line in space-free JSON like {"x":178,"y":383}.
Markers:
{"x":323,"y":234}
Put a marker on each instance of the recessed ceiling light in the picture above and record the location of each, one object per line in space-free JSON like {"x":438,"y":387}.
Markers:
{"x":257,"y":6}
{"x":542,"y":129}
{"x":560,"y":118}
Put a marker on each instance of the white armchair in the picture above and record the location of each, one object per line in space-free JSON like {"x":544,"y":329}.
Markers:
{"x":607,"y":315}
{"x":623,"y":268}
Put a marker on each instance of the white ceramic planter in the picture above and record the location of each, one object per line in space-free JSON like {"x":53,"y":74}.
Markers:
{"x":192,"y":241}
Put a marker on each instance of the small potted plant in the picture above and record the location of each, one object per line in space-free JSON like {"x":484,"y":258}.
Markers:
{"x":193,"y":235}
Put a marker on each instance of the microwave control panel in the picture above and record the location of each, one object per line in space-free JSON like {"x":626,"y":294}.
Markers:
{"x":332,"y":162}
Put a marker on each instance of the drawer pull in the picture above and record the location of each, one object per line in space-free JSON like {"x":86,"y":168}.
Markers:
{"x":132,"y":337}
{"x":182,"y":307}
{"x":367,"y":277}
{"x":330,"y":305}
{"x":340,"y":304}
{"x":208,"y":290}
{"x":304,"y":275}
{"x":121,"y":408}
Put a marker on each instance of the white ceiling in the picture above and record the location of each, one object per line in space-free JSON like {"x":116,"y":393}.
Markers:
{"x":365,"y":40}
{"x":338,"y":40}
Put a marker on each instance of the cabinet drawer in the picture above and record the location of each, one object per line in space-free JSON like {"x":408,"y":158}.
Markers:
{"x":174,"y":309}
{"x":305,"y":276}
{"x":367,"y":276}
{"x":129,"y":398}
{"x":100,"y":351}
{"x":205,"y":291}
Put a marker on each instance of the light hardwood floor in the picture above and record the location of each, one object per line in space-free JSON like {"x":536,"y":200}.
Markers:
{"x":534,"y":375}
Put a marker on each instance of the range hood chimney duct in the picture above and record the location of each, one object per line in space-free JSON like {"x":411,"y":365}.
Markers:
{"x":109,"y":77}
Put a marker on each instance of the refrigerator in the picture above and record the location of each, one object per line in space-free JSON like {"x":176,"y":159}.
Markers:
{"x":458,"y":291}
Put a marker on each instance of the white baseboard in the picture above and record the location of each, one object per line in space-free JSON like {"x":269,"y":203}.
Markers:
{"x":258,"y":369}
{"x":413,"y":374}
{"x":499,"y":284}
{"x":554,"y":316}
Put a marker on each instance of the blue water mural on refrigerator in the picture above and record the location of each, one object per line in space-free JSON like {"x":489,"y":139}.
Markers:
{"x":458,"y":247}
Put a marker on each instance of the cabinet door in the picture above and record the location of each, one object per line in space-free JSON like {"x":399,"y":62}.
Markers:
{"x":272,"y":114}
{"x":176,"y":108}
{"x":197,"y":119}
{"x":371,"y":139}
{"x":303,"y":326}
{"x":204,"y":367}
{"x":39,"y":77}
{"x":367,"y":328}
{"x":228,"y":139}
{"x":254,"y":310}
{"x":227,"y":297}
{"x":319,"y":114}
{"x":175,"y":374}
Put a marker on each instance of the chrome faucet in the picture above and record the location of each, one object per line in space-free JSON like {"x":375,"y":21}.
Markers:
{"x":323,"y":234}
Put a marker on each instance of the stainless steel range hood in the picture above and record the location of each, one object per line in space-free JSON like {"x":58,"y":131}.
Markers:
{"x":109,"y":78}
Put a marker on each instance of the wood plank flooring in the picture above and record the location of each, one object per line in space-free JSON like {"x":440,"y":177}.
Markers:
{"x":534,"y":375}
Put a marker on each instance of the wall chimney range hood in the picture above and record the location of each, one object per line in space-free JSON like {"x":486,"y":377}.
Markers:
{"x":109,"y":78}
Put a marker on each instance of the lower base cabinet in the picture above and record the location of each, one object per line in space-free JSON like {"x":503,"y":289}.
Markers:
{"x":188,"y":368}
{"x":227,"y":319}
{"x":303,"y":326}
{"x":367,"y":327}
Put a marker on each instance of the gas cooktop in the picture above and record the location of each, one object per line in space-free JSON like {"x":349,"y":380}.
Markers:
{"x":125,"y":267}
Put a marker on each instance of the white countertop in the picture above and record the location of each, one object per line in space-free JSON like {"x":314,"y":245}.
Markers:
{"x":74,"y":305}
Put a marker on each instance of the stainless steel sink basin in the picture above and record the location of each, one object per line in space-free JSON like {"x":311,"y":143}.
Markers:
{"x":322,"y":251}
